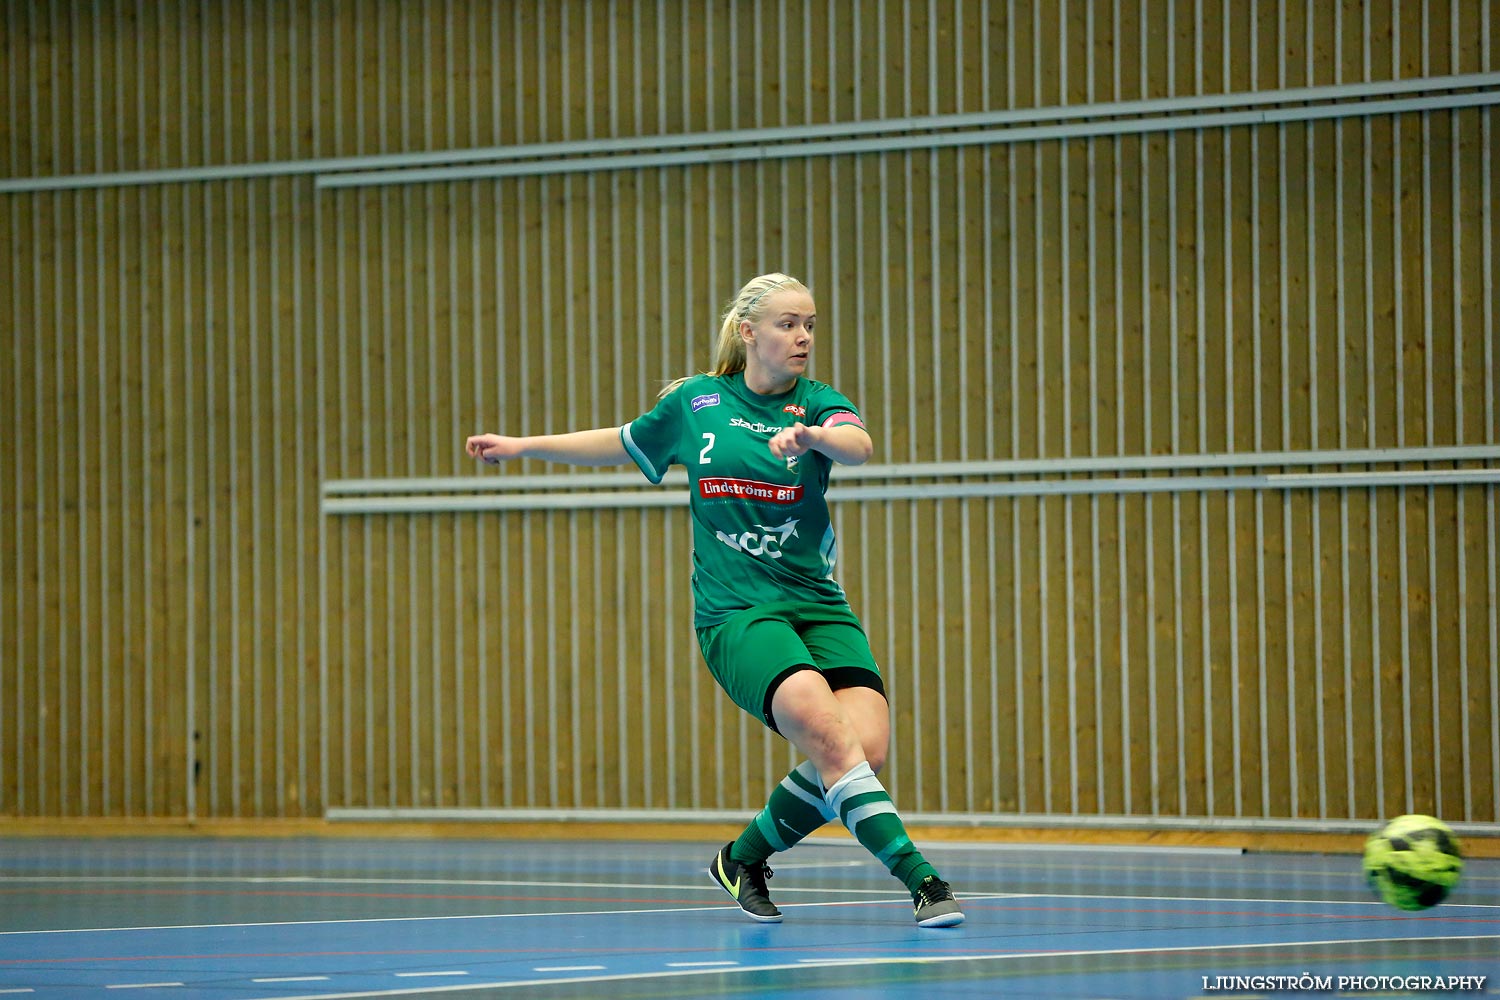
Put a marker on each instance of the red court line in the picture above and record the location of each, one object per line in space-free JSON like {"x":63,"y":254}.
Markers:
{"x":328,"y":894}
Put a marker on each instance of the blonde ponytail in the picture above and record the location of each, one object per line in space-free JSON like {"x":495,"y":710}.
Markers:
{"x":729,"y":349}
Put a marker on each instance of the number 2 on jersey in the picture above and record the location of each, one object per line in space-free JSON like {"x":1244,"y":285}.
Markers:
{"x":703,"y":458}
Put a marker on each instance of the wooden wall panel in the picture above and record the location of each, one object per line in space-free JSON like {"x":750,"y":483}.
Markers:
{"x":186,"y":362}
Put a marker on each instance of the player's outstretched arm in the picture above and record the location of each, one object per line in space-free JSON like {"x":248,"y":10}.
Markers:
{"x":601,"y":446}
{"x":847,"y":444}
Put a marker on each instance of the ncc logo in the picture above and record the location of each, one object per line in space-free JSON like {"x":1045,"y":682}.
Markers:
{"x":762,"y":540}
{"x":794,"y":410}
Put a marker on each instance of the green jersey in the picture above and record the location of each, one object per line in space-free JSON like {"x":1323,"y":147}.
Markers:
{"x":761,"y":531}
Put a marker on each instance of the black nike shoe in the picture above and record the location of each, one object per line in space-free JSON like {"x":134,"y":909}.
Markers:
{"x":934,"y":905}
{"x":747,"y":884}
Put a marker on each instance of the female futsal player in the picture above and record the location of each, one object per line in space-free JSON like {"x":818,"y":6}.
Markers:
{"x":758,"y":439}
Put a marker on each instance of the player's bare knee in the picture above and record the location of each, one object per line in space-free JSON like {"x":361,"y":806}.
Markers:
{"x":836,"y":742}
{"x":831,"y":744}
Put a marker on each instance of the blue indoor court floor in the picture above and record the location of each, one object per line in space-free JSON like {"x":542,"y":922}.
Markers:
{"x":338,"y":917}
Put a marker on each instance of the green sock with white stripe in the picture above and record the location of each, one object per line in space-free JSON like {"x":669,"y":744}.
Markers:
{"x":795,"y":809}
{"x":864,"y":806}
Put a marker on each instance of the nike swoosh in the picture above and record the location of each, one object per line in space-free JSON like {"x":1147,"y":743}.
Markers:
{"x":733,"y":887}
{"x":795,"y":832}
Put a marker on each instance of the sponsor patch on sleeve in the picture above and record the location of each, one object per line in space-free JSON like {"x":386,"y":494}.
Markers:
{"x":844,"y":417}
{"x":699,"y":402}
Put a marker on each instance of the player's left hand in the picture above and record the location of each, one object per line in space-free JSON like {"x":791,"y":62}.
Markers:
{"x":493,"y":449}
{"x":793,"y":441}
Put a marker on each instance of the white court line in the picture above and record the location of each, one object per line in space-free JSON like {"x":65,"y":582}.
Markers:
{"x":698,"y":965}
{"x":414,"y":919}
{"x":1448,"y":906}
{"x":140,"y":986}
{"x":906,"y":900}
{"x":365,"y":920}
{"x":986,"y":845}
{"x":715,"y":908}
{"x":922,"y":960}
{"x":416,"y":975}
{"x":27,"y":989}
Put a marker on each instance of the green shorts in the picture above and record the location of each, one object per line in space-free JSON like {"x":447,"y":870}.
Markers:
{"x":753,"y":652}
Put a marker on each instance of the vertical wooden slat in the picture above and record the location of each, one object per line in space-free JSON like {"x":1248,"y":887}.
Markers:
{"x":1323,"y":362}
{"x":509,"y":414}
{"x":321,"y":52}
{"x":30,"y":644}
{"x":10,"y":473}
{"x":71,"y":271}
{"x":159,"y":720}
{"x":194,"y":490}
{"x":63,"y":423}
{"x":302,"y":535}
{"x":278,"y":575}
{"x":172,"y":575}
{"x":965,"y":88}
{"x":39,"y":727}
{"x":264,"y":717}
{"x":1235,"y":200}
{"x":1491,"y":415}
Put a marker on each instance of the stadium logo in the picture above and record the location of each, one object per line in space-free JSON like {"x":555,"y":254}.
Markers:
{"x":761,"y":540}
{"x":718,"y":488}
{"x":699,"y":402}
{"x":757,"y":427}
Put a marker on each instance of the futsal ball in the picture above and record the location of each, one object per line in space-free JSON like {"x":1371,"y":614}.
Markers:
{"x":1413,"y":861}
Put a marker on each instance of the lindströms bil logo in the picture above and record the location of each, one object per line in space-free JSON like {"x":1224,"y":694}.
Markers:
{"x":722,"y":488}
